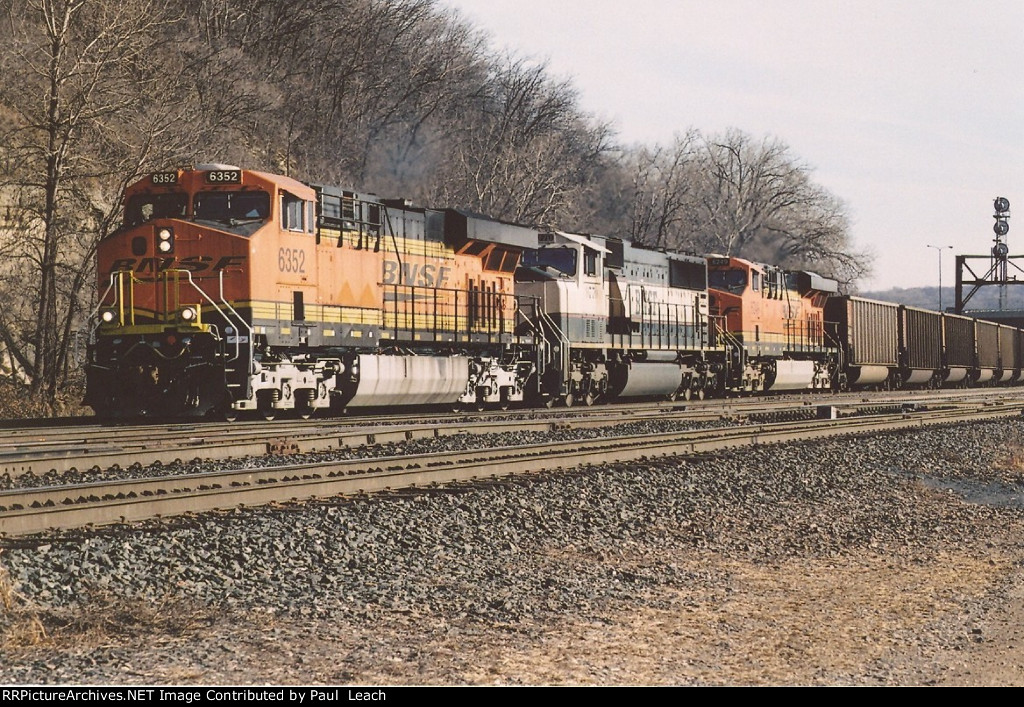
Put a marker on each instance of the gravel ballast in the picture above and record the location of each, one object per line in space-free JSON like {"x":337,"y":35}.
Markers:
{"x":457,"y":442}
{"x":463,"y":585}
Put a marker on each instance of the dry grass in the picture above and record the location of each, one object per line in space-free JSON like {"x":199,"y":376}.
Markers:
{"x":16,"y":402}
{"x":104,"y":617}
{"x":1011,"y":461}
{"x":798,"y":622}
{"x":20,"y":625}
{"x":98,"y":619}
{"x":801,"y":622}
{"x":7,"y":593}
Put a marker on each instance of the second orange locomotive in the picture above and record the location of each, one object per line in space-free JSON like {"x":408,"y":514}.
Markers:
{"x":774,"y":320}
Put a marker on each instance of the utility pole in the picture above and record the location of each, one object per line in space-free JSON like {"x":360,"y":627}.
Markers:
{"x":938,"y":249}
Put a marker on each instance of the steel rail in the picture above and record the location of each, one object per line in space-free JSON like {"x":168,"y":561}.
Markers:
{"x":39,"y":510}
{"x":61,"y":449}
{"x":82,"y":455}
{"x":88,"y":430}
{"x":145,"y":446}
{"x":32,"y":435}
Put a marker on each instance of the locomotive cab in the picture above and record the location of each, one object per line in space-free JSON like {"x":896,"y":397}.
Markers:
{"x":558,"y":263}
{"x":566,"y":272}
{"x":169,"y":339}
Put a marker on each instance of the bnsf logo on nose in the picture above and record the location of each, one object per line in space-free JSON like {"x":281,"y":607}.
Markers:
{"x":193,"y":263}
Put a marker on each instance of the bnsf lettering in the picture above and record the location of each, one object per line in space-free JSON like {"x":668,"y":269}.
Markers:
{"x":196,"y":263}
{"x":193,"y":263}
{"x":143,"y":265}
{"x":414,"y":274}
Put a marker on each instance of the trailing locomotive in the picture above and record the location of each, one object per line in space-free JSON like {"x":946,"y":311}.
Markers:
{"x":228,"y":291}
{"x":774,"y":321}
{"x":621,"y":321}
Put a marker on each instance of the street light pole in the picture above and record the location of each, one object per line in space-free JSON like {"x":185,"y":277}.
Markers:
{"x":938,"y":249}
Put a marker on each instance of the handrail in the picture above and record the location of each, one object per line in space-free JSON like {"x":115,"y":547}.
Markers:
{"x":564,"y":352}
{"x":730,"y":340}
{"x":245,"y":324}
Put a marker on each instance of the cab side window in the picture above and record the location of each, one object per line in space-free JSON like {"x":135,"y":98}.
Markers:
{"x":293,"y":213}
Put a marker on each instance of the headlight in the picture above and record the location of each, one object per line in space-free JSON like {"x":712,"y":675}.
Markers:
{"x":165,"y":240}
{"x":188,"y":314}
{"x":108,"y":315}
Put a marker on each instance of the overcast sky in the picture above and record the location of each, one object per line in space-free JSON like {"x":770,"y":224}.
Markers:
{"x":911,"y":112}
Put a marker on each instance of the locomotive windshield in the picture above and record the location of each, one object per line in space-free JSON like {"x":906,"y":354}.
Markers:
{"x":734,"y":281}
{"x":145,"y":207}
{"x":232,"y":208}
{"x":561,"y":259}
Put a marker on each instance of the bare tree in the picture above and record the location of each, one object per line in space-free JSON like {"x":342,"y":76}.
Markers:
{"x":663,"y":181}
{"x":818,"y":238}
{"x":351,"y":88}
{"x":522,"y":150}
{"x":733,"y":195}
{"x":88,"y":97}
{"x":747,"y":188}
{"x":755,"y":199}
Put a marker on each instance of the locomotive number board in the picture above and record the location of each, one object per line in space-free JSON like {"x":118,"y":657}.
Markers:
{"x":224,"y":176}
{"x":165,"y":178}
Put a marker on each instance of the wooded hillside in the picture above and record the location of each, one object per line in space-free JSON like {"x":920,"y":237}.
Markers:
{"x":396,"y":97}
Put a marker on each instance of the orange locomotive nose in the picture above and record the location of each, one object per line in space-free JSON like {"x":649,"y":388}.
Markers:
{"x":173,"y":264}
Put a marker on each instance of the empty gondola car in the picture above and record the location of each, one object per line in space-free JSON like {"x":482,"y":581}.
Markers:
{"x":868,"y":335}
{"x":920,"y":336}
{"x":987,"y":369}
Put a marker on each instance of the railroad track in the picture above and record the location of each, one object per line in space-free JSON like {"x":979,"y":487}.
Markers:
{"x":24,"y":512}
{"x":38,"y":450}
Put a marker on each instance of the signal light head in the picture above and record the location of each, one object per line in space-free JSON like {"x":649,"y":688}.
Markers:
{"x":1002,"y":206}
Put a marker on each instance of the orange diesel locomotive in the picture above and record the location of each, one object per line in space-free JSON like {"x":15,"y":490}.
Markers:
{"x":229,"y":290}
{"x":774,"y":324}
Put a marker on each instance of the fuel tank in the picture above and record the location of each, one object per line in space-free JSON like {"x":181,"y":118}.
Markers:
{"x":793,"y":375}
{"x":635,"y":380}
{"x":410,"y":380}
